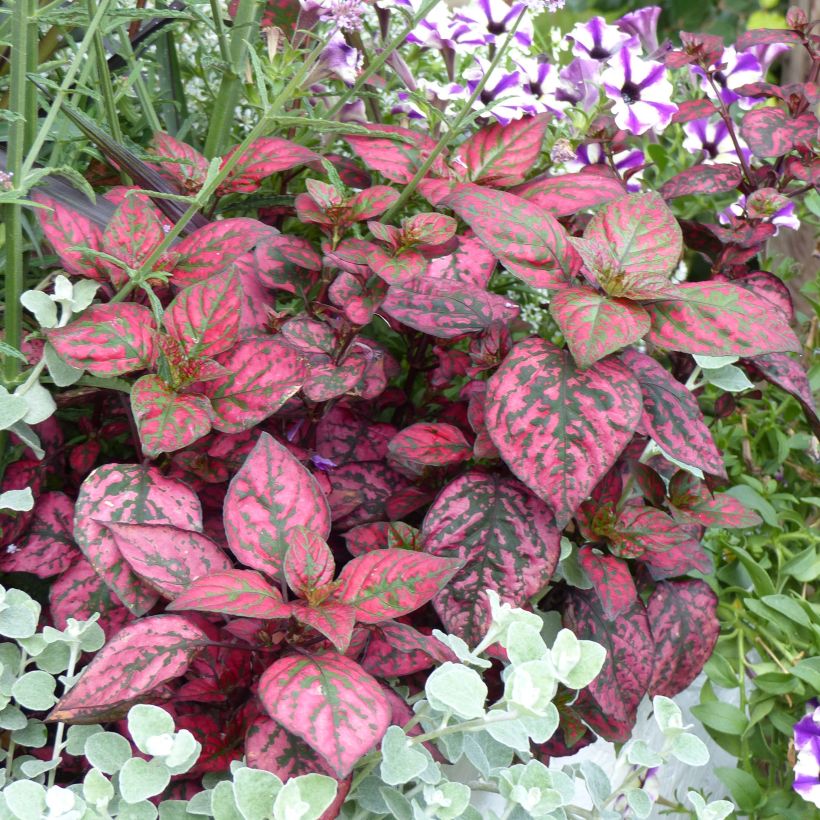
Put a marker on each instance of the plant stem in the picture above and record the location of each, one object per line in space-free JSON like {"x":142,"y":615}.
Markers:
{"x":58,"y":734}
{"x":244,"y":28}
{"x":730,"y":127}
{"x":104,"y":79}
{"x":139,"y":83}
{"x":410,"y":188}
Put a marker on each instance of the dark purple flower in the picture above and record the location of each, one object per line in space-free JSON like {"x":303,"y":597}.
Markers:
{"x":807,"y":744}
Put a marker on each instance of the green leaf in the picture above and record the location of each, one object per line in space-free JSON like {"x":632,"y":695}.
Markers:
{"x":17,"y":500}
{"x":788,"y":606}
{"x":42,"y":306}
{"x":729,"y":378}
{"x":667,"y":713}
{"x":639,"y":754}
{"x":35,"y":691}
{"x":690,"y":750}
{"x":449,"y":799}
{"x":749,"y":497}
{"x":62,"y":374}
{"x":12,"y":409}
{"x":597,"y":781}
{"x":456,"y":688}
{"x":145,"y":722}
{"x":401,"y":761}
{"x":397,"y":804}
{"x":77,"y":737}
{"x":25,"y":799}
{"x":18,"y":621}
{"x":254,"y":791}
{"x":722,"y":717}
{"x":97,"y":789}
{"x":639,"y":801}
{"x":34,"y":735}
{"x":742,"y":786}
{"x":107,"y":751}
{"x":140,"y":779}
{"x":304,"y":797}
{"x":524,"y":643}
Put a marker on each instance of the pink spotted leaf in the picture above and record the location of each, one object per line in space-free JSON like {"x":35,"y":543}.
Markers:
{"x":570,"y":193}
{"x":427,"y":444}
{"x":134,"y":231}
{"x":263,"y":158}
{"x":395,"y":649}
{"x":702,"y":179}
{"x":308,"y":562}
{"x":330,"y":618}
{"x":611,"y":580}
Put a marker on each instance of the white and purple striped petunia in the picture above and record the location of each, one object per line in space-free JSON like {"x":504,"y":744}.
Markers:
{"x":503,"y":94}
{"x":490,"y":21}
{"x":738,"y":70}
{"x":710,"y":139}
{"x":640,"y":91}
{"x":541,"y":80}
{"x":596,"y":40}
{"x":592,"y":154}
{"x":580,"y":83}
{"x":807,"y":744}
{"x":643,"y":24}
{"x":785,"y":217}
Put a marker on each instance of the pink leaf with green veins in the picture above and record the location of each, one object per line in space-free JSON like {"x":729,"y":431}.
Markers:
{"x":179,"y":162}
{"x":108,"y":340}
{"x":138,"y":660}
{"x":330,"y":618}
{"x":330,"y":702}
{"x":214,"y":248}
{"x":506,"y":538}
{"x":167,"y":420}
{"x":568,"y":194}
{"x":205,"y":317}
{"x":767,"y":132}
{"x":595,"y":325}
{"x":327,"y":380}
{"x":429,"y":228}
{"x":241,"y":592}
{"x":702,"y":179}
{"x":309,"y":335}
{"x":308,"y":562}
{"x":530,"y":243}
{"x":263,"y":158}
{"x":427,"y":444}
{"x":270,"y":496}
{"x":273,"y":748}
{"x":48,"y":548}
{"x":681,"y":559}
{"x":395,"y":649}
{"x":134,"y":231}
{"x":719,"y":319}
{"x":371,"y":202}
{"x":672,"y":416}
{"x":612,"y":699}
{"x":358,"y":299}
{"x":642,"y":531}
{"x":388,"y":583}
{"x":611,"y":579}
{"x":397,"y":160}
{"x":684,"y":623}
{"x":502,"y":155}
{"x":69,"y":233}
{"x":263,"y":375}
{"x":167,"y":558}
{"x":470,"y":264}
{"x":641,"y":232}
{"x":446,"y":309}
{"x":131,"y":494}
{"x":559,"y":429}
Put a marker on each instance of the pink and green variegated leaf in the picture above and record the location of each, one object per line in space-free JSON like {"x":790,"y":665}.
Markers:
{"x":446,"y":309}
{"x":267,"y":499}
{"x":205,"y":316}
{"x":330,"y":702}
{"x":689,"y":110}
{"x":769,"y":287}
{"x":400,"y":269}
{"x":308,"y":562}
{"x":131,"y":494}
{"x":530,"y":243}
{"x":643,"y":531}
{"x":388,"y":583}
{"x":213,"y":248}
{"x":506,"y":538}
{"x":595,"y":325}
{"x":134,"y":231}
{"x":502,"y":155}
{"x":361,"y":492}
{"x":330,"y":618}
{"x":138,"y":660}
{"x":687,"y":556}
{"x":345,"y":433}
{"x":766,"y":37}
{"x":719,"y":319}
{"x":167,"y":558}
{"x":262,"y":158}
{"x":720,"y":510}
{"x":241,"y":592}
{"x":48,"y":547}
{"x":472,"y":263}
{"x":271,"y":747}
{"x":309,"y":335}
{"x":80,"y":593}
{"x":568,"y":194}
{"x":395,"y":649}
{"x":371,"y":202}
{"x":264,"y":374}
{"x":611,"y":580}
{"x":702,"y":179}
{"x":70,"y":233}
{"x":395,"y":159}
{"x":789,"y":375}
{"x":685,"y":627}
{"x":559,"y":429}
{"x":641,"y":232}
{"x":358,"y":299}
{"x":672,"y":416}
{"x":630,"y":659}
{"x":429,"y":444}
{"x":429,"y":228}
{"x":179,"y":162}
{"x":167,"y":420}
{"x":108,"y":340}
{"x":366,"y":537}
{"x":327,"y":380}
{"x":767,"y":132}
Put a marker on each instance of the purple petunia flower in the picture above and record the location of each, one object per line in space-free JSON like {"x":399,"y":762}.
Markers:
{"x":640,"y":91}
{"x":337,"y":58}
{"x":491,"y":21}
{"x":783,"y":218}
{"x":711,"y":140}
{"x":767,"y":54}
{"x":580,"y":84}
{"x":807,"y":743}
{"x":738,"y":70}
{"x":643,"y":24}
{"x":541,"y":80}
{"x":503,"y":93}
{"x":592,"y":154}
{"x":595,"y":40}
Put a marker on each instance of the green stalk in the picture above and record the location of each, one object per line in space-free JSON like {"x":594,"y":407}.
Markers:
{"x":174,"y":109}
{"x":139,"y":84}
{"x":410,"y":188}
{"x":19,"y":104}
{"x":222,"y":115}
